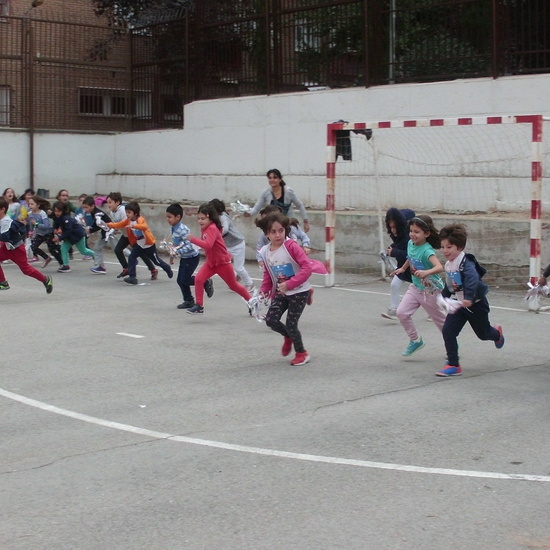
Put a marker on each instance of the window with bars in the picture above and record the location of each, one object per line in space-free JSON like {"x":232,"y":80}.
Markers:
{"x":4,"y":7}
{"x":113,"y":102}
{"x":5,"y":105}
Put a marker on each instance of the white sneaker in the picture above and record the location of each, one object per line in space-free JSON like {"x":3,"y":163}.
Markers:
{"x":391,"y":314}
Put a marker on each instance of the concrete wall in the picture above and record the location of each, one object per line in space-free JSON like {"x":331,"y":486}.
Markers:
{"x":227,"y":145}
{"x":62,"y":160}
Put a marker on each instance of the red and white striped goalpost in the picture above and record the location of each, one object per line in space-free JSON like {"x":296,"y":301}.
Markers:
{"x":536,"y":122}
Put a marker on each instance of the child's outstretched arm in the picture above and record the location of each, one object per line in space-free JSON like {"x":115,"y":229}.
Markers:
{"x":119,"y":225}
{"x":402,"y":269}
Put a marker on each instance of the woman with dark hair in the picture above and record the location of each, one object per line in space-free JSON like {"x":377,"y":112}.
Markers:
{"x":280,"y":195}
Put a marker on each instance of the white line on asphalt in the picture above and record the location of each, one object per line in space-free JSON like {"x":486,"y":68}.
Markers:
{"x":387,"y":294}
{"x":269,"y":452}
{"x":129,"y":335}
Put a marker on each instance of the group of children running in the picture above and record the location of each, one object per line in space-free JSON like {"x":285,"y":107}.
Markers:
{"x":286,"y":266}
{"x":451,"y":302}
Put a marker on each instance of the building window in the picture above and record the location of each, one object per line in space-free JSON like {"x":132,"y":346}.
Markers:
{"x":4,"y":105}
{"x":113,"y":102}
{"x":306,"y":37}
{"x":172,"y":108}
{"x":4,"y":7}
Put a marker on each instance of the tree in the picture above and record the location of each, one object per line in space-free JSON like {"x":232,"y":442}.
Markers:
{"x":134,"y":11}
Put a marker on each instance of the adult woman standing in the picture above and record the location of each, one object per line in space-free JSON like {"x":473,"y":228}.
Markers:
{"x":280,"y":195}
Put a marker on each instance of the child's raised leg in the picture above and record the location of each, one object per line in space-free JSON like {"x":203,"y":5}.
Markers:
{"x":83,"y":249}
{"x":228,"y":276}
{"x":409,"y":304}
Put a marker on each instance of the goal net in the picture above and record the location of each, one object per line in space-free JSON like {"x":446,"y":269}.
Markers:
{"x":485,"y":172}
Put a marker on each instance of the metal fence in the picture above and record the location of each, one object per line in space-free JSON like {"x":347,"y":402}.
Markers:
{"x":75,"y":76}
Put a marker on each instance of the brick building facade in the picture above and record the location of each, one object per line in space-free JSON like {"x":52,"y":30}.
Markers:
{"x":62,"y":67}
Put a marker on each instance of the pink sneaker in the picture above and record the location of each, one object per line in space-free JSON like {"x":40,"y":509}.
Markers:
{"x":287,"y":347}
{"x":301,"y":359}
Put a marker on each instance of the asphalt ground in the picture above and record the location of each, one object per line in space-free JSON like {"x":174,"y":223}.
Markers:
{"x":129,"y":424}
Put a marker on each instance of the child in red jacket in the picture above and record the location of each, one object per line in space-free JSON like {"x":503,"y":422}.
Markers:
{"x":218,"y":259}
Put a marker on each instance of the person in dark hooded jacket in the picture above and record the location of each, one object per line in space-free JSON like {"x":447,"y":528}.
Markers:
{"x":397,"y":225}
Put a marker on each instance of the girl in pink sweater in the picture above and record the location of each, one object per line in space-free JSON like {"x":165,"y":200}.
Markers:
{"x":286,"y":281}
{"x":218,"y":259}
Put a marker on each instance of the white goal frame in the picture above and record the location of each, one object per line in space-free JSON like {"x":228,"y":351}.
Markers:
{"x":536,"y":123}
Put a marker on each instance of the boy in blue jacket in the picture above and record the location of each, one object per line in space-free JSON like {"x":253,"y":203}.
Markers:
{"x":463,"y":283}
{"x":12,"y":247}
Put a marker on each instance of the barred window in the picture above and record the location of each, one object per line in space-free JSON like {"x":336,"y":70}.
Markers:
{"x":4,"y":105}
{"x":114,"y":102}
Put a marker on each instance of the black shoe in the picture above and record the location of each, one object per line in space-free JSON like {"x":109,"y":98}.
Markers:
{"x":186,"y":305}
{"x":48,"y":283}
{"x":209,"y":288}
{"x":195,"y":309}
{"x":169,"y":272}
{"x":131,"y":280}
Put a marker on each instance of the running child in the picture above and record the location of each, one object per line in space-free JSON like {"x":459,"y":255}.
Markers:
{"x":189,"y":256}
{"x":218,"y":259}
{"x":42,"y":230}
{"x":68,"y":231}
{"x":287,"y":270}
{"x":463,"y":276}
{"x":118,"y":214}
{"x":426,"y":283}
{"x":15,"y":211}
{"x":398,"y":229}
{"x":99,"y":219}
{"x":142,"y":241}
{"x":12,"y":247}
{"x":234,"y":240}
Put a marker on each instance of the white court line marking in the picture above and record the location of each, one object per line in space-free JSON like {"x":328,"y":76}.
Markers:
{"x":129,"y":335}
{"x":268,"y":452}
{"x":387,"y":294}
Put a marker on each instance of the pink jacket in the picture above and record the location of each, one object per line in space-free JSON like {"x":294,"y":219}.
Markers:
{"x":307,"y":267}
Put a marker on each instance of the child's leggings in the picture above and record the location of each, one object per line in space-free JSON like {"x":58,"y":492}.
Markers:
{"x":413,"y":299}
{"x":295,"y":305}
{"x":19,"y":257}
{"x":225,"y":271}
{"x":53,"y":248}
{"x":80,"y":245}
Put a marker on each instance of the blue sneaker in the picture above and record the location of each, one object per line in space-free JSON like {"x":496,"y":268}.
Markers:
{"x":414,"y":345}
{"x":449,"y":370}
{"x":500,"y":342}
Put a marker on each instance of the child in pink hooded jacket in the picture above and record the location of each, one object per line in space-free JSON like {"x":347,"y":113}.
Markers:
{"x":286,"y":281}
